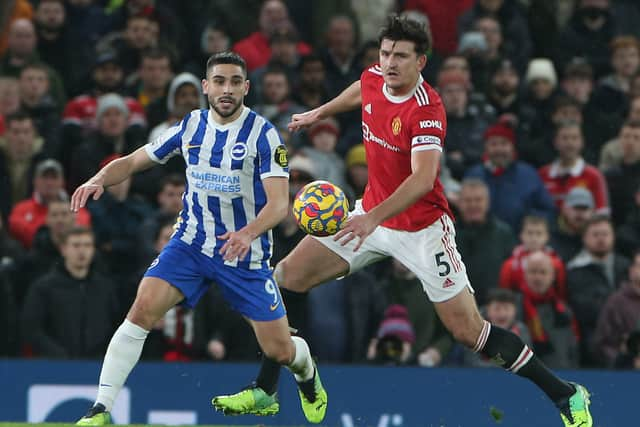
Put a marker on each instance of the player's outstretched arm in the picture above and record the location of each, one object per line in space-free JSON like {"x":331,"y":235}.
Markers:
{"x":113,"y":173}
{"x":349,"y":99}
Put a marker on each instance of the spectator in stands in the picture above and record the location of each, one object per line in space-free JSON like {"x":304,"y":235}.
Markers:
{"x":587,"y":34}
{"x":515,"y":187}
{"x":29,"y":215}
{"x":117,"y":218}
{"x":618,"y":317}
{"x":476,"y":227}
{"x":611,"y":156}
{"x":340,"y":55}
{"x":19,"y":152}
{"x":466,"y":123}
{"x":286,"y":236}
{"x":432,"y":340}
{"x":22,"y":51}
{"x":577,"y":81}
{"x":576,"y":211}
{"x":592,"y":276}
{"x":9,"y":99}
{"x":71,"y":312}
{"x":138,"y":36}
{"x":534,"y":237}
{"x":255,"y":48}
{"x":301,"y":172}
{"x":11,"y":255}
{"x":329,"y":166}
{"x":357,"y":170}
{"x":109,"y":138}
{"x":551,"y":322}
{"x":503,"y":94}
{"x":37,"y":102}
{"x":393,"y":343}
{"x":169,"y":204}
{"x":515,"y":31}
{"x":625,"y":179}
{"x":150,"y":86}
{"x":630,"y":356}
{"x":628,"y":234}
{"x":276,"y":105}
{"x":214,"y":39}
{"x":611,"y":96}
{"x":311,"y":91}
{"x":570,"y":169}
{"x":489,"y":26}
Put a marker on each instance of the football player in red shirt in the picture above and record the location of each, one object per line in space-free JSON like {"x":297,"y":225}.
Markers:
{"x":405,"y":214}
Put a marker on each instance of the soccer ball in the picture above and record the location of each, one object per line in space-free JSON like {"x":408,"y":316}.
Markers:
{"x":320,"y":208}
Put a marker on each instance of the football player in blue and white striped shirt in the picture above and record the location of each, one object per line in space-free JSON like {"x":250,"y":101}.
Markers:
{"x":237,"y":190}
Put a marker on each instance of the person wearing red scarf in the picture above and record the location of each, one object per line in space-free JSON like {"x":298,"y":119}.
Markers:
{"x":551,"y":322}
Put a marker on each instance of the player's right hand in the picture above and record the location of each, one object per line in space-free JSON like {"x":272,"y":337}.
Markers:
{"x":82,"y":194}
{"x":303,"y":120}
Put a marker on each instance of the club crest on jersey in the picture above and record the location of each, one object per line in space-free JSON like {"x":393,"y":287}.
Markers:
{"x":239,"y":151}
{"x":280,"y":156}
{"x":396,"y":126}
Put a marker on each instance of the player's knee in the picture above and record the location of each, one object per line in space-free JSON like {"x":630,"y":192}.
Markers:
{"x":466,"y":331}
{"x":285,"y":276}
{"x":282,"y":354}
{"x":142,"y":314}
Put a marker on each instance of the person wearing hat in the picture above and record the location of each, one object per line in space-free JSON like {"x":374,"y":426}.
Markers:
{"x":576,"y":211}
{"x":503,"y":88}
{"x":394,"y":339}
{"x":323,"y":137}
{"x":30,"y":214}
{"x":357,"y":170}
{"x":515,"y":187}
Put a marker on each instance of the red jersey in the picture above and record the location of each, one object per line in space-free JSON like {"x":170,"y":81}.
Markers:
{"x":81,"y":111}
{"x":392,"y":128}
{"x":560,"y":181}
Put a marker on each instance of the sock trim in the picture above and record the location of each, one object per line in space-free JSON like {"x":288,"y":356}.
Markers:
{"x":133,"y":330}
{"x":482,"y":339}
{"x":525,"y":355}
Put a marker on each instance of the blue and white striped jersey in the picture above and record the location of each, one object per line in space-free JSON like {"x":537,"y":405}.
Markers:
{"x":225,"y":168}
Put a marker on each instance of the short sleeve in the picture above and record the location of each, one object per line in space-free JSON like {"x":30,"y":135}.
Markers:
{"x":272,"y":153}
{"x":428,"y":128}
{"x":168,"y":143}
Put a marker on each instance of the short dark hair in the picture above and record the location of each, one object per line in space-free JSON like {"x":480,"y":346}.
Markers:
{"x":535,"y":220}
{"x":635,"y":124}
{"x":18,"y":116}
{"x":174,"y":180}
{"x":165,"y":220}
{"x":36,"y":65}
{"x":76,"y":231}
{"x":400,"y":28}
{"x":598,"y":219}
{"x":501,"y":295}
{"x":226,"y":58}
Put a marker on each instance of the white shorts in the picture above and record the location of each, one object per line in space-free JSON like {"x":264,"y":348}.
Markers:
{"x":430,"y":253}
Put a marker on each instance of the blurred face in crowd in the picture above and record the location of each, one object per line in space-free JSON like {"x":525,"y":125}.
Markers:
{"x":78,"y":251}
{"x":492,"y":31}
{"x":186,"y":98}
{"x":567,"y":113}
{"x":359,"y":175}
{"x":325,"y":141}
{"x":341,"y":36}
{"x":155,"y":73}
{"x":578,"y":88}
{"x":9,"y":95}
{"x":505,"y":82}
{"x":48,"y":185}
{"x":50,"y":15}
{"x":459,"y":63}
{"x":491,"y":5}
{"x":226,"y":86}
{"x":499,"y":150}
{"x":139,"y":33}
{"x":534,"y":236}
{"x":215,"y":41}
{"x":455,"y":97}
{"x":275,"y":88}
{"x":634,"y":271}
{"x":634,"y":89}
{"x":630,"y":143}
{"x":626,"y":60}
{"x":568,"y":142}
{"x":538,"y":272}
{"x":170,"y":198}
{"x":59,"y":217}
{"x":369,"y":57}
{"x":20,"y":136}
{"x":163,"y":237}
{"x":34,"y":85}
{"x":541,"y":89}
{"x":598,"y":239}
{"x":22,"y":38}
{"x":474,"y":203}
{"x":401,"y":65}
{"x":108,"y":76}
{"x":576,"y":217}
{"x":112,"y":123}
{"x":273,"y":15}
{"x":313,"y":73}
{"x":284,"y":52}
{"x":501,"y":313}
{"x":634,"y":110}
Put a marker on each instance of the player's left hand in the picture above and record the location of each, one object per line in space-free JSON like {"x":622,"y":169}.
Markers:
{"x":237,"y":245}
{"x":356,"y":226}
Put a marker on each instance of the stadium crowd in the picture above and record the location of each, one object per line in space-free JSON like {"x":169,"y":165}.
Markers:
{"x":542,"y":167}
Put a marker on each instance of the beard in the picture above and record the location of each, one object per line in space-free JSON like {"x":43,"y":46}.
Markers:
{"x":236,"y":105}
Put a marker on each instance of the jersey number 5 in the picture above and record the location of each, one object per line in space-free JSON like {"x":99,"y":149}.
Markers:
{"x":442,"y":263}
